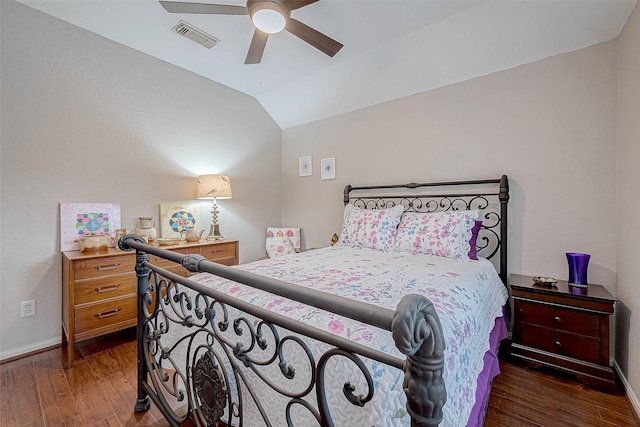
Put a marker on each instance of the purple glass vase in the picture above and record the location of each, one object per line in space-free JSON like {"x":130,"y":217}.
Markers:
{"x":578,"y":264}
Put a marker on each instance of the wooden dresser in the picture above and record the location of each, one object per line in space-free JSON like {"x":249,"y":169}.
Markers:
{"x":99,"y":290}
{"x":565,"y":328}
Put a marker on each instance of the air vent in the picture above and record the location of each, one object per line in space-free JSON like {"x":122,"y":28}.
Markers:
{"x":189,"y":31}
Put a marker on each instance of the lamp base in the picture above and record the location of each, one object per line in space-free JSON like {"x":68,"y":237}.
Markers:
{"x":214,"y":233}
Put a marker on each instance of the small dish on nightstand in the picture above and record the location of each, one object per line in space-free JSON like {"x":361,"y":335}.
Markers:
{"x":547,"y":282}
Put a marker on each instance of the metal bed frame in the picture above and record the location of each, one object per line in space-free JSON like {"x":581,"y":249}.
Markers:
{"x":221,"y":350}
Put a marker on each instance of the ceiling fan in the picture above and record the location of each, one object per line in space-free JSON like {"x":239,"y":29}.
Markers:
{"x":269,"y":17}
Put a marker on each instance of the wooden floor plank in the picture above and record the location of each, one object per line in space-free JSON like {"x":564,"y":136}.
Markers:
{"x":111,"y":421}
{"x":20,"y":392}
{"x":88,"y":393}
{"x":122,"y":396}
{"x":58,"y":404}
{"x":549,"y":398}
{"x":4,"y":400}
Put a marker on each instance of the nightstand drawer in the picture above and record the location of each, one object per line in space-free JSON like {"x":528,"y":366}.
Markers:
{"x":223,"y":253}
{"x":99,"y":267}
{"x":109,"y":287}
{"x":110,"y":312}
{"x":578,"y":322}
{"x":563,"y":343}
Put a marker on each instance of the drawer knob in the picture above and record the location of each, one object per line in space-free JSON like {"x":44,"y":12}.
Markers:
{"x":108,"y":313}
{"x":108,"y":288}
{"x":107,"y":267}
{"x":557,"y":319}
{"x":558,"y":344}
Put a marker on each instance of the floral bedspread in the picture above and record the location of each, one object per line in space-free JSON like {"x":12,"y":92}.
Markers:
{"x":468,"y":297}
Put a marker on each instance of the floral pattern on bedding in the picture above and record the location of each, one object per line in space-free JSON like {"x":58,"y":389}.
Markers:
{"x":467,"y":296}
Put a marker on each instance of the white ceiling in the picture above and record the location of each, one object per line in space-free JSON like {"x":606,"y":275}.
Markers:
{"x":392,"y":48}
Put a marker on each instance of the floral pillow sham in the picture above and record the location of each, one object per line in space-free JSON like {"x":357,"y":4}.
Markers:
{"x":370,"y":228}
{"x":444,"y":234}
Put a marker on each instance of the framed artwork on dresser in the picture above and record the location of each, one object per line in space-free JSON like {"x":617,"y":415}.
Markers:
{"x":81,"y":219}
{"x":178,"y":217}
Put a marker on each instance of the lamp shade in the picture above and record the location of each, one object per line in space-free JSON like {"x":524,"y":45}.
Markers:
{"x":213,"y":187}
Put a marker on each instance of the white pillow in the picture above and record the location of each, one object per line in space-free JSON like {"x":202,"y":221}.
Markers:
{"x":370,"y":228}
{"x":278,"y":246}
{"x":444,"y":234}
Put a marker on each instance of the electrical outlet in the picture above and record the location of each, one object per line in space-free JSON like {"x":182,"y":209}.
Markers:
{"x":28,"y":308}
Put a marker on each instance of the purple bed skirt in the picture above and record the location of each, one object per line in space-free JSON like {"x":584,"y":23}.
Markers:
{"x":490,"y":370}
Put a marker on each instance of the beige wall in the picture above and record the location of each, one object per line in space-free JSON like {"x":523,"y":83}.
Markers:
{"x":85,"y":119}
{"x":628,"y":157}
{"x":550,"y":126}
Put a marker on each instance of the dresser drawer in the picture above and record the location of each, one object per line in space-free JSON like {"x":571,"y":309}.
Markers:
{"x":104,"y":266}
{"x":563,"y":343}
{"x":108,"y":287}
{"x":93,"y":316}
{"x":222,"y":253}
{"x":554,"y":317}
{"x":165,"y":263}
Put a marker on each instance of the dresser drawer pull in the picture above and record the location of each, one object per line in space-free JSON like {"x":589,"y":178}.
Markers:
{"x":108,"y":288}
{"x":107,"y":267}
{"x":558,"y":344}
{"x":108,"y":313}
{"x":557,"y":319}
{"x":219,"y":251}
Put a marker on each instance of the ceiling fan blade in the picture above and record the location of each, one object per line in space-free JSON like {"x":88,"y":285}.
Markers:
{"x":314,"y":37}
{"x":216,"y":9}
{"x":297,"y":4}
{"x":256,"y":49}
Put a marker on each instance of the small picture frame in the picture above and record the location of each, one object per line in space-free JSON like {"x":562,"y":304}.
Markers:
{"x":305,"y":167}
{"x":328,"y":168}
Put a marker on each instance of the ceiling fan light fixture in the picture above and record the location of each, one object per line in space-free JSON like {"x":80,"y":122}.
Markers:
{"x":269,"y":17}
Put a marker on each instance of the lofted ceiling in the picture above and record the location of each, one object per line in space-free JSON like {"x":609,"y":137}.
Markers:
{"x":392,"y":48}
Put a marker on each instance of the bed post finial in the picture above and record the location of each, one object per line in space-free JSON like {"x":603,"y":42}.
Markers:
{"x":417,"y":333}
{"x":504,"y":189}
{"x":347,"y":190}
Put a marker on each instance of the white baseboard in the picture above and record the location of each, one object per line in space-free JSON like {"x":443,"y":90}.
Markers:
{"x":630,"y":394}
{"x":29,"y":348}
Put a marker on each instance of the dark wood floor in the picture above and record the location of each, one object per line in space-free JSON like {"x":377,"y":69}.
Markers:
{"x":100,"y":391}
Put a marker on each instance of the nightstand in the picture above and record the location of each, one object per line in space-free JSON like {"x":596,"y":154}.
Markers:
{"x":99,"y":290}
{"x":565,"y":328}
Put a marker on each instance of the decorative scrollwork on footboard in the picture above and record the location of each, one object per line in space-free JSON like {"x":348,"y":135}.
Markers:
{"x":205,"y":358}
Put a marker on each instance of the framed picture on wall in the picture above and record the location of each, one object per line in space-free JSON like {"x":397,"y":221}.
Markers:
{"x":328,"y":168}
{"x":305,"y":166}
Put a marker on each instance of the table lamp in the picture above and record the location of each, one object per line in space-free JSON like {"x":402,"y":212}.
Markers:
{"x":213,"y":187}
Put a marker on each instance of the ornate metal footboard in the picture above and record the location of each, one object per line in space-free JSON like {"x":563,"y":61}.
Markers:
{"x":216,"y":366}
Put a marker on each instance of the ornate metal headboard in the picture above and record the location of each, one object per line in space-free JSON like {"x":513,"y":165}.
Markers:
{"x":489,"y":196}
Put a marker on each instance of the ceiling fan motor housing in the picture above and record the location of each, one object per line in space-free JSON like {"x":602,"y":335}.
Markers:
{"x":278,"y":6}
